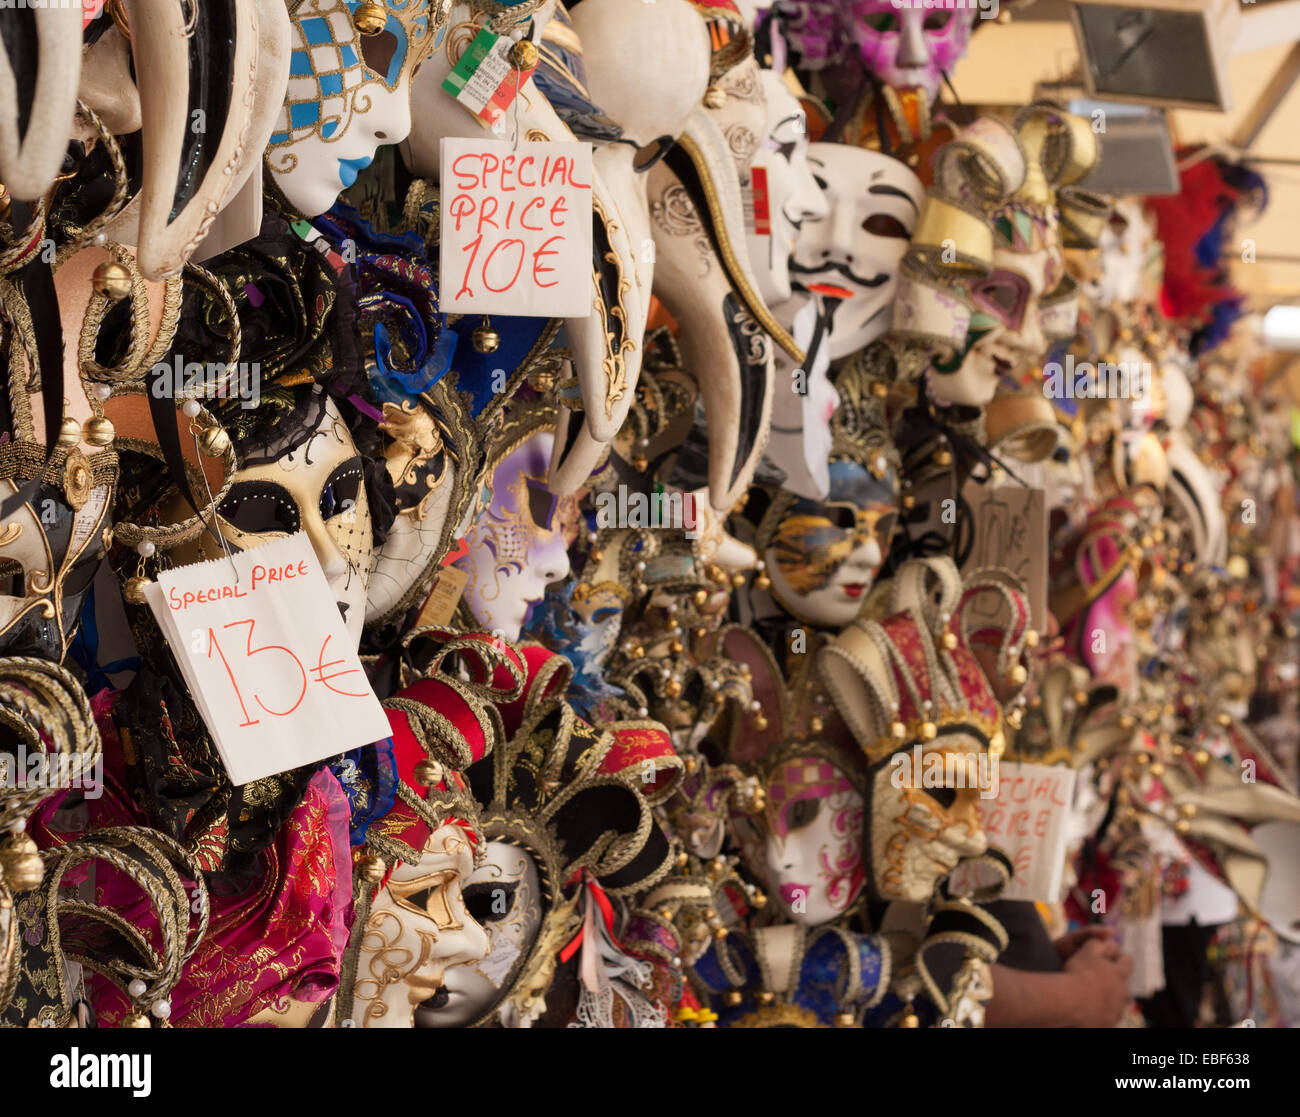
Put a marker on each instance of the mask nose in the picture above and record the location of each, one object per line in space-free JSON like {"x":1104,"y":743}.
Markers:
{"x":912,"y":48}
{"x":334,"y":563}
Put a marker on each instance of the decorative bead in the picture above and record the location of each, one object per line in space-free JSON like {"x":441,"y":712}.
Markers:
{"x":162,"y":1009}
{"x":701,"y":597}
{"x":112,"y":281}
{"x":145,"y":549}
{"x":1202,"y":757}
{"x":943,"y":458}
{"x":1031,"y":638}
{"x":137,"y":988}
{"x":597,"y":555}
{"x":1019,"y":675}
{"x":429,"y":773}
{"x":929,"y":731}
{"x":910,"y":1019}
{"x":102,"y":392}
{"x":898,"y":731}
{"x":673,"y":688}
{"x":69,"y":433}
{"x":765,"y":997}
{"x":191,"y":408}
{"x":845,"y":1020}
{"x":737,"y":580}
{"x":816,"y":724}
{"x":760,"y":900}
{"x":763,"y":582}
{"x":134,"y":589}
{"x":733,"y":998}
{"x":486,"y":339}
{"x":99,"y":432}
{"x":137,"y":1020}
{"x":20,"y":863}
{"x":214,"y":441}
{"x":370,"y":18}
{"x":372,"y":869}
{"x":950,"y":640}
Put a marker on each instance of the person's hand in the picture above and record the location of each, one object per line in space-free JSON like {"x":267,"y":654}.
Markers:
{"x":1099,"y":973}
{"x":1067,"y":944}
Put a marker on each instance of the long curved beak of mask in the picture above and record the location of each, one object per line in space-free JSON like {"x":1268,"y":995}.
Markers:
{"x":721,"y":315}
{"x":40,"y":68}
{"x":216,"y":73}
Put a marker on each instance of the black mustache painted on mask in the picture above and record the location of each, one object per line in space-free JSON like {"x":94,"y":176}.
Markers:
{"x":842,"y":269}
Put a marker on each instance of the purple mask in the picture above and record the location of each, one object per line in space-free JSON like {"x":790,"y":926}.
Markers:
{"x":909,"y":47}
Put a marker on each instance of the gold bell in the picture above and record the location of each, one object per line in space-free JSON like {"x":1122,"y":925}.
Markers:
{"x":765,"y":998}
{"x":683,"y":860}
{"x":486,"y":339}
{"x":112,"y":281}
{"x":214,"y":441}
{"x":20,"y":863}
{"x":1157,"y":769}
{"x":898,"y":731}
{"x":929,"y":731}
{"x":760,"y":900}
{"x":845,"y":1020}
{"x":910,"y":1019}
{"x":816,"y":724}
{"x":640,"y":464}
{"x":524,"y":56}
{"x":137,"y":1020}
{"x":950,"y":640}
{"x":673,"y":688}
{"x":733,"y":998}
{"x":70,"y":433}
{"x":677,"y":647}
{"x":714,"y":98}
{"x":701,"y":597}
{"x":370,"y":18}
{"x":879,"y":389}
{"x":1031,"y":638}
{"x":763,"y":582}
{"x":372,"y":869}
{"x":1080,"y":697}
{"x":134,"y":589}
{"x":997,"y":745}
{"x":1182,"y":826}
{"x":1202,"y":757}
{"x":99,"y":432}
{"x":760,"y":723}
{"x":943,"y":458}
{"x":909,"y":502}
{"x":428,"y":773}
{"x":737,"y":580}
{"x":1019,"y":676}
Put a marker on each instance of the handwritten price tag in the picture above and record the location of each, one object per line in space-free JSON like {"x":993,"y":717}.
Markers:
{"x":1027,"y":822}
{"x":516,"y":228}
{"x":267,"y":658}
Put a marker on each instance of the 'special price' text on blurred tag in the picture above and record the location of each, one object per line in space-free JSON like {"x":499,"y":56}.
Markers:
{"x":262,"y":646}
{"x":516,"y":230}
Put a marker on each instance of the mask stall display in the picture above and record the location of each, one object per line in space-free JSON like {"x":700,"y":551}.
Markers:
{"x":699,"y":629}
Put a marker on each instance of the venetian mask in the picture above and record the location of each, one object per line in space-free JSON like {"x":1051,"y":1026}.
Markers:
{"x":418,"y":928}
{"x":517,"y":546}
{"x":792,"y":195}
{"x":504,"y":895}
{"x":918,"y":834}
{"x":853,"y":255}
{"x":823,"y":557}
{"x":908,"y":47}
{"x":1013,"y":321}
{"x":802,"y":406}
{"x":317,"y":486}
{"x":806,"y":844}
{"x":349,"y":92}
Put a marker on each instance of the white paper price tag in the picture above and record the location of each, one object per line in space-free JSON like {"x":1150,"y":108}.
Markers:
{"x":263,"y":649}
{"x":516,"y":230}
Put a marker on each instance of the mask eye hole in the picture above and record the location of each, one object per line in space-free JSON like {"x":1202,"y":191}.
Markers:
{"x":937,"y":21}
{"x":378,"y":53}
{"x":885,"y":225}
{"x":13,"y":582}
{"x":883,"y":22}
{"x":801,"y":813}
{"x":260,"y":508}
{"x":342,"y":490}
{"x":490,"y":901}
{"x":944,"y":796}
{"x":541,"y":505}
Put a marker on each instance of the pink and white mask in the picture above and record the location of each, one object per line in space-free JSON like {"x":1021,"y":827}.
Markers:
{"x":806,"y":844}
{"x":517,"y":546}
{"x":909,"y":47}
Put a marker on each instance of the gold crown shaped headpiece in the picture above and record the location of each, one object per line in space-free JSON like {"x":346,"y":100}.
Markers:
{"x":912,"y":676}
{"x":997,"y":181}
{"x":1076,"y":722}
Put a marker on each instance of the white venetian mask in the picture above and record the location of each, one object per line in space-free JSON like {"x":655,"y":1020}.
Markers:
{"x":854,"y":254}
